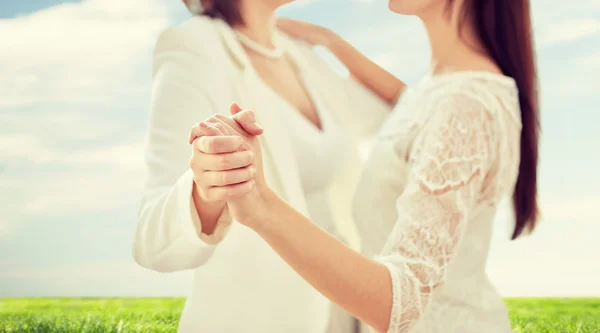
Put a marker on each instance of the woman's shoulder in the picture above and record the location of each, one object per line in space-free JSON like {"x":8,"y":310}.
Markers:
{"x":193,"y":54}
{"x":487,"y":90}
{"x":197,"y":35}
{"x":463,"y":99}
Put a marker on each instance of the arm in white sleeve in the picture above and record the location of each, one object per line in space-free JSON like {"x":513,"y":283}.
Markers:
{"x":169,"y":235}
{"x":452,"y":158}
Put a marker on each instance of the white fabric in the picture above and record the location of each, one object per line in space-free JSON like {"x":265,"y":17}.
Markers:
{"x":323,"y":153}
{"x":426,"y":201}
{"x":199,"y":69}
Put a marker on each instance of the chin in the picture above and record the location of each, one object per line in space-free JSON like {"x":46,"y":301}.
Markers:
{"x":280,"y":3}
{"x":409,"y":7}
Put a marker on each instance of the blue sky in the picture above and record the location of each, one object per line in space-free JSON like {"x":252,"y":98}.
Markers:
{"x":74,"y":96}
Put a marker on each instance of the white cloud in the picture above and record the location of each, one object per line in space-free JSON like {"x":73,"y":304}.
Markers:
{"x":73,"y":79}
{"x":110,"y":270}
{"x":100,"y":180}
{"x":126,"y":155}
{"x":557,"y":259}
{"x":59,"y":163}
{"x":580,"y":76}
{"x":76,"y":51}
{"x":569,"y":209}
{"x":95,"y":279}
{"x":553,"y":33}
{"x":590,"y":61}
{"x":400,"y":46}
{"x":85,"y":56}
{"x":5,"y":229}
{"x":86,"y":181}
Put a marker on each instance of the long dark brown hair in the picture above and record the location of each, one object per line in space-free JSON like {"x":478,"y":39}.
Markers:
{"x":504,"y":28}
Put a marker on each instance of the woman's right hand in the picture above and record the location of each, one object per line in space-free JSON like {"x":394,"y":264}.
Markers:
{"x":221,"y":163}
{"x":308,"y":32}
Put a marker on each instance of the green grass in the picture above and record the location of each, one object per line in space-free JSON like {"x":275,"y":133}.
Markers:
{"x":90,"y":315}
{"x":555,"y":315}
{"x":40,"y":315}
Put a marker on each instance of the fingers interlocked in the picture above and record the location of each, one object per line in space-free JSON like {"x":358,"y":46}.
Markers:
{"x":222,"y":167}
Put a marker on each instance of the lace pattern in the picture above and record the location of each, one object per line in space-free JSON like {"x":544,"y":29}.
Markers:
{"x":450,"y":163}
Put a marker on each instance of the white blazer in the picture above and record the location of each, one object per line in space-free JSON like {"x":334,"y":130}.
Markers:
{"x":200,"y":68}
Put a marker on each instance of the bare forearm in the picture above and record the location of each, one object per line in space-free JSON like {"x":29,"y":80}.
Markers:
{"x":371,"y":75}
{"x":360,"y":285}
{"x":209,"y":213}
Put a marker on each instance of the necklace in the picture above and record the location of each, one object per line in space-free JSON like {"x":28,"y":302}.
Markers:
{"x":275,"y":53}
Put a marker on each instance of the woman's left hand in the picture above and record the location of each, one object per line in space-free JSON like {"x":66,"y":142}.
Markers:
{"x":308,"y":32}
{"x":251,"y":208}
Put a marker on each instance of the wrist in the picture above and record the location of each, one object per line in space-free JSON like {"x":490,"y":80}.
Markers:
{"x":200,"y":199}
{"x":330,"y":39}
{"x":265,"y":217}
{"x":208,"y":212}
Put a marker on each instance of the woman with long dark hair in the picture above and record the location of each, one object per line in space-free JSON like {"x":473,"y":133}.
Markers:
{"x":457,"y":144}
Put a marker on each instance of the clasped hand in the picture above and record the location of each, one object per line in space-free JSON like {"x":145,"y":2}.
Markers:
{"x":227,"y":164}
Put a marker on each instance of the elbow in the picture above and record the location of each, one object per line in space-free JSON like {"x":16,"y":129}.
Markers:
{"x":152,"y":265}
{"x":162,"y":263}
{"x":143,"y":259}
{"x":143,"y":256}
{"x":381,"y":326}
{"x":167,"y":255}
{"x":141,"y":247}
{"x":159,"y":261}
{"x":380,"y":321}
{"x":165,"y":240}
{"x":379,"y":314}
{"x":146,"y":249}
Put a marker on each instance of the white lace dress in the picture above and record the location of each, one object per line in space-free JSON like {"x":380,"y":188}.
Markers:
{"x":426,"y":201}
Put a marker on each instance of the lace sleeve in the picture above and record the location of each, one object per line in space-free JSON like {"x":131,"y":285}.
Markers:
{"x":449,"y":161}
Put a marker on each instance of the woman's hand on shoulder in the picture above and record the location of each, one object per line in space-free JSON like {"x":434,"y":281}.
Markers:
{"x":308,"y":32}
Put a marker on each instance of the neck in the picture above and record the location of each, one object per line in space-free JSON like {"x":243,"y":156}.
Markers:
{"x":259,"y":22}
{"x":451,"y":43}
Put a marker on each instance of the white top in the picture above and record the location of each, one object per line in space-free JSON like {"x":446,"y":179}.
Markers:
{"x":426,"y":201}
{"x":322,"y":154}
{"x":240,"y":284}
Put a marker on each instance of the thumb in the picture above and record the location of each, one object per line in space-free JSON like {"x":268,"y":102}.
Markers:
{"x":234,"y":108}
{"x":247,"y":120}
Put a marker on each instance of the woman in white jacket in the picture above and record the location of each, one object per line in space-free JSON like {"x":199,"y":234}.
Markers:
{"x":231,"y":52}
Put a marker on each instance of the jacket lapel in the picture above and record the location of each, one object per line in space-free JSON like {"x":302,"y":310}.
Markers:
{"x":332,"y":99}
{"x":275,"y":140}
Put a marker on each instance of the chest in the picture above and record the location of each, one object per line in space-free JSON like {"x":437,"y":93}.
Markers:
{"x":385,"y":175}
{"x":283,"y":78}
{"x":392,"y":146}
{"x":298,"y":156}
{"x":387,"y":166}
